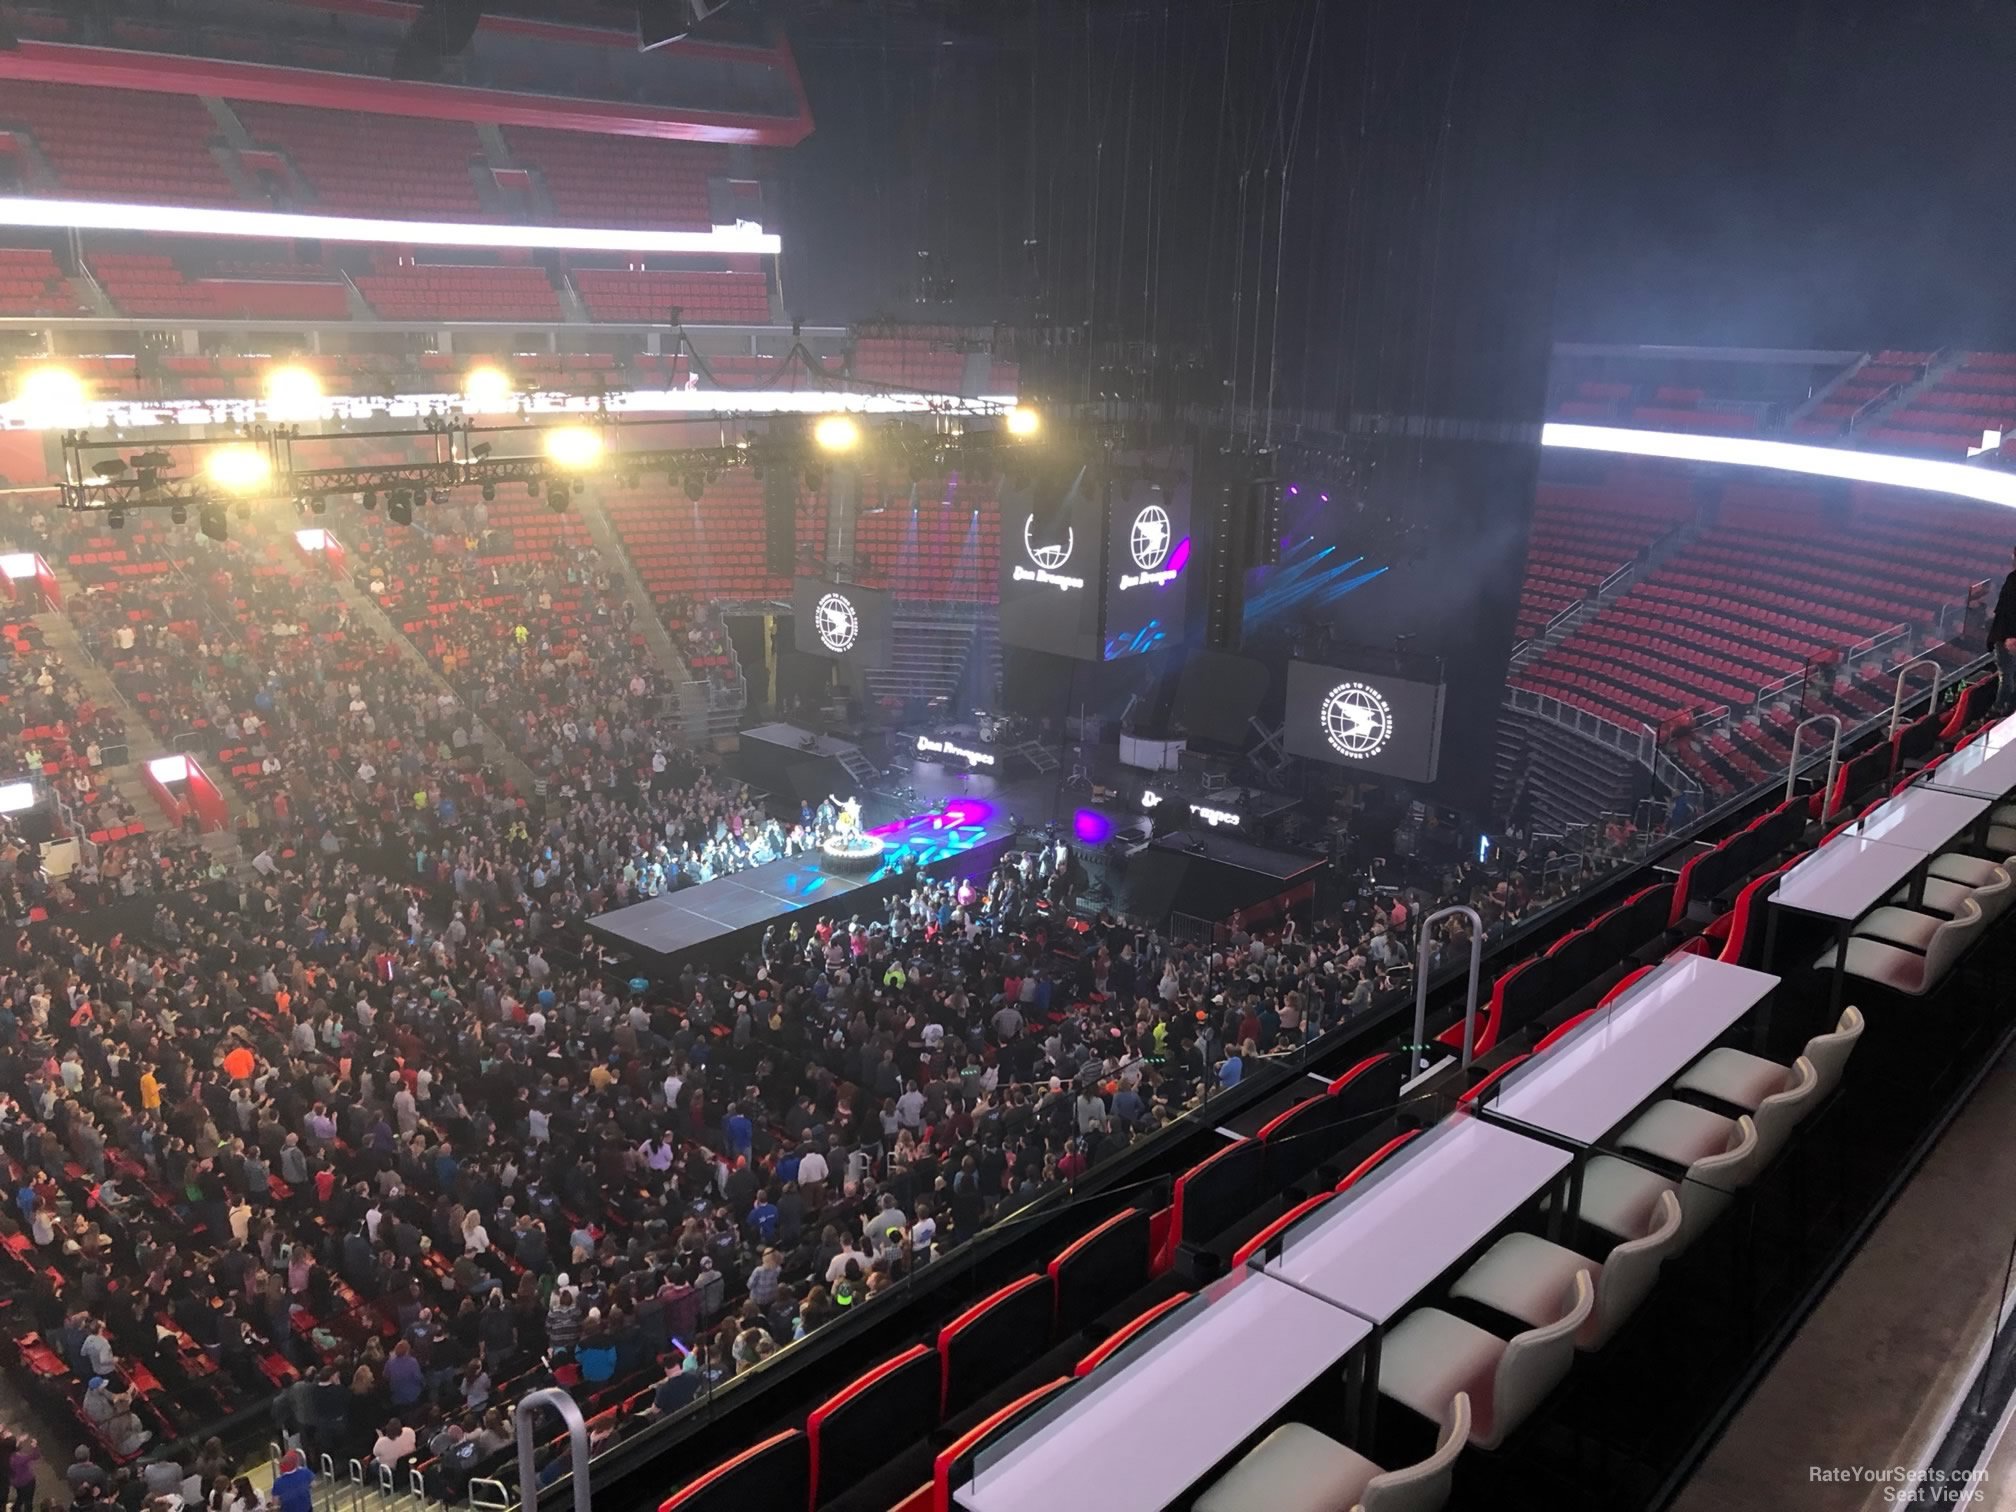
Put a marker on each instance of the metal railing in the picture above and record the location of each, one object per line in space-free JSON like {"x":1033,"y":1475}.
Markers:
{"x":1833,"y":758}
{"x":1904,"y":676}
{"x":577,"y":1437}
{"x":1417,"y":1046}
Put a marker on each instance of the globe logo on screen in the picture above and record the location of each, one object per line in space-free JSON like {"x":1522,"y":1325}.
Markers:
{"x":1052,"y":556}
{"x":837,"y":623}
{"x":1149,"y":540}
{"x":1357,"y":720}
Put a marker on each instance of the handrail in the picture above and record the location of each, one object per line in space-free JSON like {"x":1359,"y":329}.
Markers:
{"x":1418,"y":1045}
{"x":1833,"y":758}
{"x":1903,"y":675}
{"x":577,"y":1433}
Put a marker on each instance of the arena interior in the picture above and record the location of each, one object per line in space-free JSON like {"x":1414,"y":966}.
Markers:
{"x":919,"y":756}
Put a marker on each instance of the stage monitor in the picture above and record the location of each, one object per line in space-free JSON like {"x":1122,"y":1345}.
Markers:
{"x":1147,"y":566}
{"x":841,"y":620}
{"x":1374,"y":722}
{"x":1052,"y":562}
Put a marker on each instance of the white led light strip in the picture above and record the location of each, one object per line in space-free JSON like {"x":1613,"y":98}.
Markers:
{"x":96,"y":215}
{"x":1981,"y":483}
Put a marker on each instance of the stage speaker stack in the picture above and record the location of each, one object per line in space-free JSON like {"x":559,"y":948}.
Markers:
{"x":780,"y":520}
{"x":1225,"y":577}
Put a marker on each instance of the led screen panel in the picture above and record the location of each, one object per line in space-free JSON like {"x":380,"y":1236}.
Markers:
{"x":1381,"y":725}
{"x":841,"y":621}
{"x":1147,"y":567}
{"x":1052,"y":563}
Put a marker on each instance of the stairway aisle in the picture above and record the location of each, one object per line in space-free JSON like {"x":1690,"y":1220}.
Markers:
{"x":366,"y":610}
{"x":603,"y":533}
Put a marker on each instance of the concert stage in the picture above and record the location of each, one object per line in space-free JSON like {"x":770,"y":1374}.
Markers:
{"x":728,"y":914}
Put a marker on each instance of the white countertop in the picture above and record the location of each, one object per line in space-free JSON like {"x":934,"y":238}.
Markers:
{"x":1376,"y":1248}
{"x":1143,"y":1429}
{"x":1846,"y":877}
{"x":1599,"y":1073}
{"x":1923,"y":818}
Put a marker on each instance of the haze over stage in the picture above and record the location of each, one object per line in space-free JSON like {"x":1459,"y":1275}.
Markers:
{"x":963,"y":840}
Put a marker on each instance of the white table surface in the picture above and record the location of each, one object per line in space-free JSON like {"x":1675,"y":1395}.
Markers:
{"x":1376,"y":1248}
{"x":1846,"y":878}
{"x":1986,"y":765}
{"x":1141,"y":1430}
{"x":1593,"y":1078}
{"x":1923,"y":818}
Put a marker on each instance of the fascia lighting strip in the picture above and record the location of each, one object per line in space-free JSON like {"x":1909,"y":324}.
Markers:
{"x":178,"y":220}
{"x":1980,"y":483}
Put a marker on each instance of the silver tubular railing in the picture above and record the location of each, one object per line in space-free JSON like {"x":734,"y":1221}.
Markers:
{"x":1418,"y":1046}
{"x":1903,"y":675}
{"x":577,"y":1433}
{"x":1833,"y":758}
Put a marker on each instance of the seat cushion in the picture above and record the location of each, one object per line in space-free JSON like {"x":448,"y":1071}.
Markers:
{"x":1525,"y":1277}
{"x":1678,"y":1133}
{"x":1431,"y":1356}
{"x":1899,"y":926}
{"x":1969,"y":871}
{"x":1734,"y":1077}
{"x":1943,"y":896}
{"x":1618,"y":1196}
{"x":1885,"y":965}
{"x":1294,"y":1469}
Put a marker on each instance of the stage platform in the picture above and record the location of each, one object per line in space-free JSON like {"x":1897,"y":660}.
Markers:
{"x":728,"y":914}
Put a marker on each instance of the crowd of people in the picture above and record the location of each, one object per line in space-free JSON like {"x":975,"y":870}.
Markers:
{"x":371,"y":1132}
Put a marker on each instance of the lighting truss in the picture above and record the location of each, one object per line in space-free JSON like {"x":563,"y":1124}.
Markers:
{"x":101,"y":474}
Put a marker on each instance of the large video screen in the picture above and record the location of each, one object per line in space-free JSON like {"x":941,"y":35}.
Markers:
{"x":843,"y":621}
{"x":1381,"y":725}
{"x":1147,"y":567}
{"x":1052,"y":563}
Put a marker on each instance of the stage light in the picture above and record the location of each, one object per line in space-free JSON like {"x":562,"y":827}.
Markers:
{"x":556,"y":498}
{"x":179,"y":514}
{"x":695,"y":489}
{"x":573,"y":446}
{"x":836,"y":433}
{"x":52,"y":397}
{"x":487,"y":388}
{"x":115,"y":519}
{"x":1024,"y":422}
{"x":1091,"y":827}
{"x":293,"y":393}
{"x":318,"y":505}
{"x":489,"y":493}
{"x":240,"y":469}
{"x":113,"y":468}
{"x":370,"y":500}
{"x":399,"y":507}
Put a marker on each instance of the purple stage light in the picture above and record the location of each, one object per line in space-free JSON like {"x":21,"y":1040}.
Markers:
{"x":1180,"y":557}
{"x":1091,"y":826}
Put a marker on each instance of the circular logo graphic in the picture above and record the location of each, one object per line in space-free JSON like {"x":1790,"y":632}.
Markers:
{"x":1149,"y":540}
{"x":1050,"y":557}
{"x":837,"y":623}
{"x":1357,"y":720}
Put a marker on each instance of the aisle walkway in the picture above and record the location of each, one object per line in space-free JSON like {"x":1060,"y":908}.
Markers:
{"x":1872,"y":1379}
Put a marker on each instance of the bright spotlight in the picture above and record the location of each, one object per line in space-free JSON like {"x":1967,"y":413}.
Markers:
{"x":53,"y":397}
{"x":1024,"y":421}
{"x":487,"y":388}
{"x":240,"y":469}
{"x":574,"y":446}
{"x":836,"y":433}
{"x":293,"y":393}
